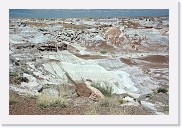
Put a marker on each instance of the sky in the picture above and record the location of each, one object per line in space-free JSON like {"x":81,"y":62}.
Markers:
{"x":85,"y":13}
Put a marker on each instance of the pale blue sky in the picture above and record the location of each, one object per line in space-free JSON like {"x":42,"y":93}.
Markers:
{"x":82,"y":13}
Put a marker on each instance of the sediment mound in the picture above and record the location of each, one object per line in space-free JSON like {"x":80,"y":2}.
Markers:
{"x":156,"y":58}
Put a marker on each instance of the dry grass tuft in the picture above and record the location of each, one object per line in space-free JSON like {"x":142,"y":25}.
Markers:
{"x":107,"y":102}
{"x":105,"y":106}
{"x":44,"y":100}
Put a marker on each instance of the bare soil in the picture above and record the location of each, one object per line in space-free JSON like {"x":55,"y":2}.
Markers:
{"x":90,"y":56}
{"x":156,"y":58}
{"x":28,"y":106}
{"x":129,"y":62}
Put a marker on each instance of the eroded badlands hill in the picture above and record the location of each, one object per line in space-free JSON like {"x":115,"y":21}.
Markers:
{"x":120,"y":65}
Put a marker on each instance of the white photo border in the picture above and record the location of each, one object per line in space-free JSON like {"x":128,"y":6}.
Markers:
{"x":171,"y":119}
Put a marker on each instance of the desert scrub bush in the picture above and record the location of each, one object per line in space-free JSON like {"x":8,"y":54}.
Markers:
{"x":107,"y":102}
{"x":162,"y":90}
{"x":12,"y":97}
{"x":106,"y":106}
{"x":148,"y":95}
{"x":103,"y":52}
{"x":44,"y":100}
{"x":166,"y":108}
{"x":106,"y":91}
{"x":120,"y":101}
{"x":104,"y":103}
{"x":77,"y":50}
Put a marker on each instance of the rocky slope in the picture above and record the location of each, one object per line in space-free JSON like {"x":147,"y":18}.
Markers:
{"x":126,"y":57}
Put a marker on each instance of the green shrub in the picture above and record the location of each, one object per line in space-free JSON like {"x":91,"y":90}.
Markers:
{"x":103,"y":52}
{"x":77,"y":50}
{"x":120,"y":101}
{"x":45,"y":100}
{"x":148,"y":95}
{"x":12,"y":97}
{"x":166,"y":108}
{"x":163,"y":90}
{"x":106,"y":91}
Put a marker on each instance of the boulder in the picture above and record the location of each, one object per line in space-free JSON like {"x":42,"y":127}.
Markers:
{"x":84,"y":89}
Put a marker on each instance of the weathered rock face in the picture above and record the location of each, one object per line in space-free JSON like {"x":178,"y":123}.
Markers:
{"x":52,"y":47}
{"x":113,"y":35}
{"x":30,"y":86}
